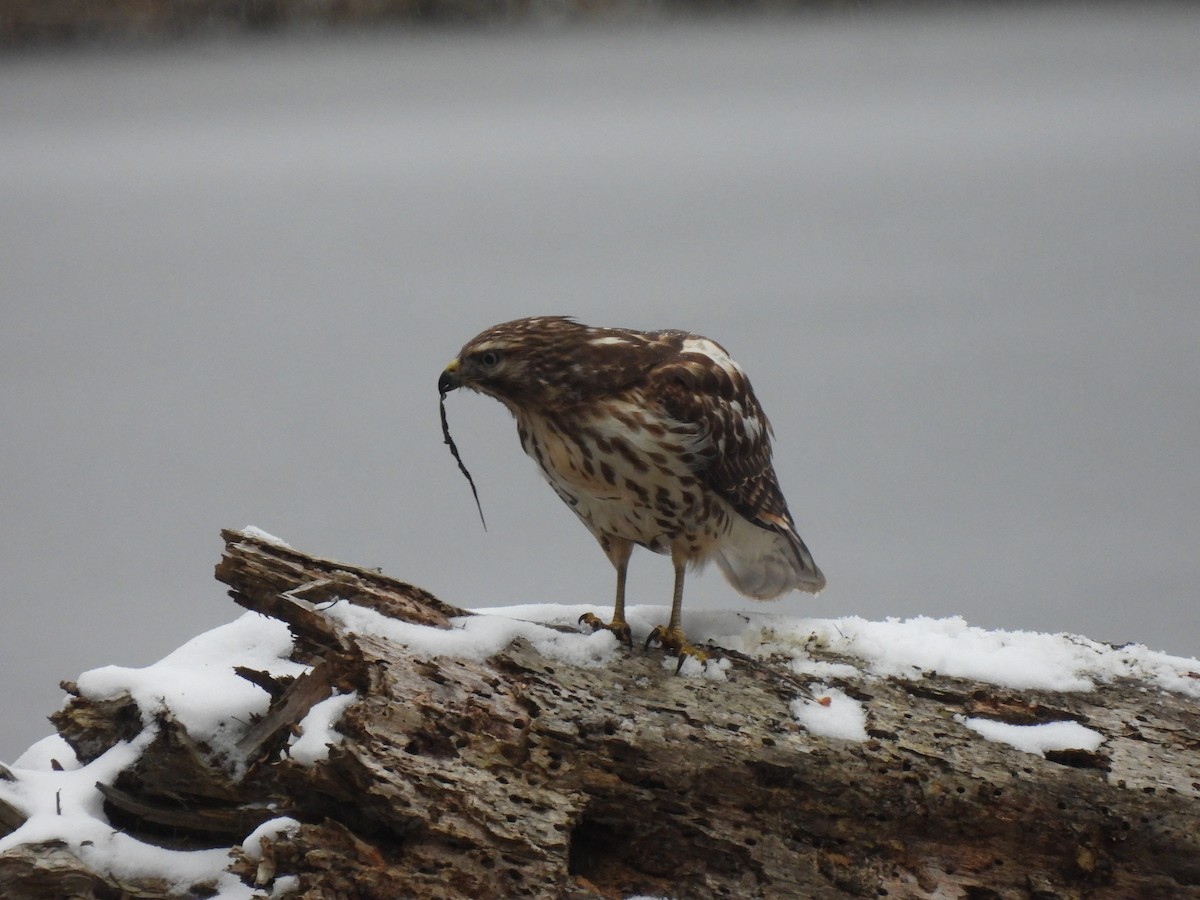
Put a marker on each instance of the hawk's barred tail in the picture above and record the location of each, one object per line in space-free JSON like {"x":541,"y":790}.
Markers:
{"x":810,"y":578}
{"x":767,"y":560}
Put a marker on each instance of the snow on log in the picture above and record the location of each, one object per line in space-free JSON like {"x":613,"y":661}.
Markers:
{"x":353,"y":736}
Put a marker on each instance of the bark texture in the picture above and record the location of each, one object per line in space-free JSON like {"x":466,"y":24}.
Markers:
{"x":522,"y":776}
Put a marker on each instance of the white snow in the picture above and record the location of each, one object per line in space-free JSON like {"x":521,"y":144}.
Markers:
{"x":825,"y":670}
{"x":197,"y":686}
{"x":1036,"y":738}
{"x":45,"y":753}
{"x":269,"y":831}
{"x":713,"y":668}
{"x":317,"y":733}
{"x":66,"y":806}
{"x":905,"y":648}
{"x":66,"y":801}
{"x":284,"y":885}
{"x":833,"y":714}
{"x":910,"y":648}
{"x":480,"y":636}
{"x":255,"y":532}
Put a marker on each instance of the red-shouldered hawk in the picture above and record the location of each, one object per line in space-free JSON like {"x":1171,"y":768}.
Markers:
{"x":652,"y":438}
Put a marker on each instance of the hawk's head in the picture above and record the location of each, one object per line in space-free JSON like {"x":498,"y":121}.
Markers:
{"x":548,"y":363}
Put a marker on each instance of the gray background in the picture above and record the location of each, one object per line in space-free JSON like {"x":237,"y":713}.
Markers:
{"x":957,"y":253}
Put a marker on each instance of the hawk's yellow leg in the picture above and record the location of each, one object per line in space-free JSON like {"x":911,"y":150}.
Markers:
{"x":618,"y":551}
{"x":672,"y":637}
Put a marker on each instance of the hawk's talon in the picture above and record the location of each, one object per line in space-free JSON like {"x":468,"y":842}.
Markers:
{"x":619,"y":629}
{"x":673,"y":639}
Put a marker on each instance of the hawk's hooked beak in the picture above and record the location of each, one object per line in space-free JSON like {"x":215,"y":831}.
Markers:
{"x":449,"y":379}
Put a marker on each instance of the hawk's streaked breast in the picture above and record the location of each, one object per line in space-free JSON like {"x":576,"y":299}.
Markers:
{"x":652,"y":438}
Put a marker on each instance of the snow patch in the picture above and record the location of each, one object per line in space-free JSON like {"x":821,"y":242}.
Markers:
{"x":823,"y":670}
{"x":284,"y":885}
{"x":317,"y":733}
{"x":197,"y":683}
{"x":906,"y":648}
{"x":67,"y":801}
{"x":265,"y":537}
{"x":712,"y":669}
{"x":833,"y":714}
{"x":47,"y":752}
{"x":1036,"y":738}
{"x":478,"y":637}
{"x":67,"y":807}
{"x":269,"y":831}
{"x":1020,"y":660}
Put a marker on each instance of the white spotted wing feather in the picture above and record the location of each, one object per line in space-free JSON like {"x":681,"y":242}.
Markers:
{"x":761,"y":554}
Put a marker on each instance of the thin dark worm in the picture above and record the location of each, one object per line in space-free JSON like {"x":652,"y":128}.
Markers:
{"x":458,"y":459}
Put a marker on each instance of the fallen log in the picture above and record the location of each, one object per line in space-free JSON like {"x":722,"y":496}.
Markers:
{"x":533,"y":772}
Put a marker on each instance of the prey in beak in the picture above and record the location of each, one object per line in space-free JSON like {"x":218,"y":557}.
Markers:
{"x":448,"y":381}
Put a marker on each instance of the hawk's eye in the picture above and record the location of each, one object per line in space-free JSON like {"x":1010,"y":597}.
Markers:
{"x":489,"y":359}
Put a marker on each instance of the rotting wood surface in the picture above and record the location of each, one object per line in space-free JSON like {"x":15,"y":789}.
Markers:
{"x":522,"y":776}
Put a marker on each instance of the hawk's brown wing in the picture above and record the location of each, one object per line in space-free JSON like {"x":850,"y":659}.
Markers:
{"x":733,"y":447}
{"x":705,"y":388}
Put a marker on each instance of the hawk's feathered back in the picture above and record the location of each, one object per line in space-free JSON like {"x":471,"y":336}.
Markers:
{"x":652,"y":438}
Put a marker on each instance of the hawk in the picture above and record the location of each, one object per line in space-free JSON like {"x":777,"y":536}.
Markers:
{"x":654,"y":439}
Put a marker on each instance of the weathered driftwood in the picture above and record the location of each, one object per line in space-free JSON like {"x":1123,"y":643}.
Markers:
{"x":51,"y":872}
{"x":522,"y":776}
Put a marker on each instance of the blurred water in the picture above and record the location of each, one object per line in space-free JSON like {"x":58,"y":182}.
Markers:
{"x":959,"y":255}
